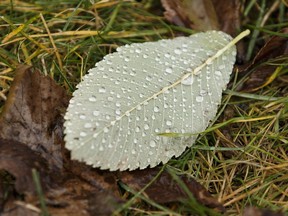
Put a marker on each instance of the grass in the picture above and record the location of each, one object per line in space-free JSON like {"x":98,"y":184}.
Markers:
{"x":242,"y":157}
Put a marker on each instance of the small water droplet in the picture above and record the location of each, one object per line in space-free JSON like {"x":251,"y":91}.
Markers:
{"x":152,"y":143}
{"x":106,"y":130}
{"x":87,"y":125}
{"x":135,"y":140}
{"x":137,"y":129}
{"x":138,"y":50}
{"x":110,"y":98}
{"x":188,"y":81}
{"x":150,"y":153}
{"x":199,"y":99}
{"x":96,"y":113}
{"x":101,"y":148}
{"x":148,"y":78}
{"x":145,"y":56}
{"x":107,"y":117}
{"x":177,"y":51}
{"x":218,"y":73}
{"x":168,"y":123}
{"x":146,"y":127}
{"x":82,"y":116}
{"x":127,"y":59}
{"x":118,"y":112}
{"x":83,"y":134}
{"x":102,"y":90}
{"x":133,"y":151}
{"x":221,"y":67}
{"x":92,"y":99}
{"x":156,"y":109}
{"x":169,"y":70}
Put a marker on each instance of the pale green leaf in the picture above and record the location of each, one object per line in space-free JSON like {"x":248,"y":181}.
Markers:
{"x":116,"y":116}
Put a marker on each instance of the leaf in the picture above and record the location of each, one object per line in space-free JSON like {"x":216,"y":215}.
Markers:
{"x":18,"y":160}
{"x":129,"y":98}
{"x":267,"y":63}
{"x":32,"y":114}
{"x":165,"y":189}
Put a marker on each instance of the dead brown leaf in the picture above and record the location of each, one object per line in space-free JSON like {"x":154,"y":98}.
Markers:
{"x":264,"y":73}
{"x":196,"y":14}
{"x":165,"y":190}
{"x":204,"y":15}
{"x":253,"y":211}
{"x":19,"y":160}
{"x":32,"y":114}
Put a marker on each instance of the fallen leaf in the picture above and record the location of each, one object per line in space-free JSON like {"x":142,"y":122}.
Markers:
{"x":165,"y":190}
{"x":228,"y":13}
{"x":253,"y":211}
{"x":196,"y":14}
{"x":19,"y":160}
{"x":32,"y":116}
{"x":263,"y":72}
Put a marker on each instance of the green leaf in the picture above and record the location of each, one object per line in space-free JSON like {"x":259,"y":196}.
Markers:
{"x":116,"y":116}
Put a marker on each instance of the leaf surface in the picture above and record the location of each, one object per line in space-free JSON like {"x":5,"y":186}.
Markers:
{"x":142,"y":90}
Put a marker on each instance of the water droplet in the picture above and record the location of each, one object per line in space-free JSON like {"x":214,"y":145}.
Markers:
{"x":188,"y":81}
{"x":127,"y":59}
{"x":168,"y":123}
{"x":102,"y":90}
{"x":101,"y":148}
{"x":133,"y":151}
{"x":138,"y":50}
{"x":137,"y":129}
{"x":135,"y":140}
{"x":106,"y":130}
{"x":110,"y":98}
{"x":199,"y":99}
{"x":82,"y":117}
{"x":145,"y":56}
{"x":218,"y":73}
{"x":221,"y":67}
{"x":177,"y":51}
{"x":87,"y":125}
{"x":152,"y":143}
{"x":169,"y":70}
{"x":96,"y":113}
{"x":156,"y":109}
{"x":150,"y":153}
{"x":146,"y":127}
{"x":118,"y":112}
{"x":148,"y":78}
{"x":138,"y":107}
{"x":83,"y":134}
{"x":92,"y":99}
{"x":107,"y":117}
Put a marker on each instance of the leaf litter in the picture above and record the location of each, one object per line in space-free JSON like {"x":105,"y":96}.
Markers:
{"x":31,"y":133}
